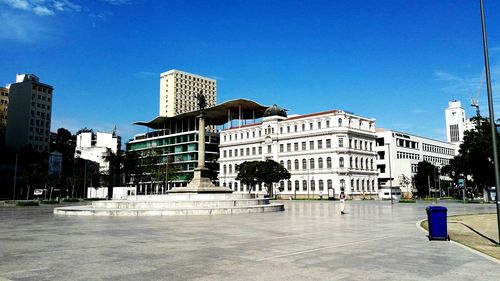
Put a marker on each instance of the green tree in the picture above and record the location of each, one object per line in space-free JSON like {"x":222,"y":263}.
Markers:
{"x":475,"y":158}
{"x":269,"y":172}
{"x":425,"y":174}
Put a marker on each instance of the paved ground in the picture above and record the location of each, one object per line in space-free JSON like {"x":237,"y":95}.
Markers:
{"x":309,"y":241}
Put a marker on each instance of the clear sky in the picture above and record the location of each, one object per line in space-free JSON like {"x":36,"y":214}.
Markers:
{"x":398,"y":61}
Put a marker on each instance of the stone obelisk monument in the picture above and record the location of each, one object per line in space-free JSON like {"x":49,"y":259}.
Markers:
{"x":200,"y":182}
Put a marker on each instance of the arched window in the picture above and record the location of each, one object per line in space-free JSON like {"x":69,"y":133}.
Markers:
{"x":340,"y":122}
{"x":224,"y":170}
{"x":235,"y":186}
{"x":304,"y":164}
{"x":304,"y":185}
{"x":320,"y":163}
{"x":230,"y":169}
{"x":361,"y":162}
{"x":282,"y":185}
{"x":313,"y":185}
{"x":289,"y":185}
{"x":356,"y":162}
{"x":342,"y":184}
{"x":230,"y":185}
{"x":296,"y":162}
{"x":341,"y":162}
{"x":363,"y":185}
{"x":357,"y":185}
{"x":328,"y":162}
{"x":311,"y":163}
{"x":297,"y":185}
{"x":282,"y":163}
{"x":320,"y":185}
{"x":236,"y":168}
{"x":352,"y":184}
{"x":350,"y":163}
{"x":329,"y":184}
{"x":289,"y":165}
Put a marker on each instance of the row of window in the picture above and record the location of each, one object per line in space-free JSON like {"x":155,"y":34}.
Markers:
{"x":192,"y":78}
{"x":406,"y":143}
{"x":406,"y":155}
{"x":438,"y":149}
{"x":357,"y":185}
{"x":42,"y":89}
{"x":354,"y":163}
{"x":433,"y":159}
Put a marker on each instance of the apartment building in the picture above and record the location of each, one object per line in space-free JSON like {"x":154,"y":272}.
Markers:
{"x":179,"y":91}
{"x":29,"y":113}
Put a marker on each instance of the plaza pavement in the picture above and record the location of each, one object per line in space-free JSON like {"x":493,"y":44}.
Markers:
{"x":309,"y":241}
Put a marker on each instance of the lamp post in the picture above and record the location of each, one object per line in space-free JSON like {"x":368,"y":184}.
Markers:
{"x":491,"y":113}
{"x":390,"y":172}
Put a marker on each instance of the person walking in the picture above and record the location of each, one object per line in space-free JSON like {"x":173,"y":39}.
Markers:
{"x":342,"y":202}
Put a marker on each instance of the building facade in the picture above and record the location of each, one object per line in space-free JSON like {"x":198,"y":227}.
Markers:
{"x":325,"y":152}
{"x":176,"y":148}
{"x":398,"y":155}
{"x":179,"y":91}
{"x":29,"y":113}
{"x":94,"y":147}
{"x":457,"y":123}
{"x":4,"y":106}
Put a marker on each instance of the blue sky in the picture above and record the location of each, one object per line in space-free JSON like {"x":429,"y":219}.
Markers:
{"x":398,"y":61}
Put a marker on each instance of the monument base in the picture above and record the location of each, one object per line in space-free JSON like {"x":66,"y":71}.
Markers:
{"x":200,"y":184}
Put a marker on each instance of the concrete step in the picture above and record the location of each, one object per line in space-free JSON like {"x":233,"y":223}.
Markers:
{"x":189,"y":196}
{"x":92,"y":211}
{"x":133,"y":204}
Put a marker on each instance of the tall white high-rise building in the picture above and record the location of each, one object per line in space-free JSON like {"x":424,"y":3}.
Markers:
{"x":29,"y":113}
{"x":179,"y":91}
{"x":455,"y":122}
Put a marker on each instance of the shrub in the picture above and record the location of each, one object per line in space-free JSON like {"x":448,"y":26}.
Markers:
{"x":26,"y":203}
{"x":48,"y":202}
{"x":71,"y":200}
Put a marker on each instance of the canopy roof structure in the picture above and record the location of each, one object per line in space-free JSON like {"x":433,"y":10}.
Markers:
{"x":238,"y":109}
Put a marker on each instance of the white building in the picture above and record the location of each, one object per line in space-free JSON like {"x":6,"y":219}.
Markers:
{"x":324,"y":152}
{"x":402,"y":152}
{"x":94,"y":147}
{"x":457,"y":123}
{"x":29,"y":113}
{"x":179,"y":90}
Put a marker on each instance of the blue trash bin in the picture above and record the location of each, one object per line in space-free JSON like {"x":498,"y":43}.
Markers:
{"x":437,"y":219}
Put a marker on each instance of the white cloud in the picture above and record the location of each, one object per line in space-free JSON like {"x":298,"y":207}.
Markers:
{"x":21,"y":28}
{"x":117,"y":2}
{"x":42,"y":7}
{"x":43,"y":11}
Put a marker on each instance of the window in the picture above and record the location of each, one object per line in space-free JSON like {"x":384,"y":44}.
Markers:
{"x":296,"y":164}
{"x":357,"y":185}
{"x":289,"y":186}
{"x":320,"y":163}
{"x":282,"y":147}
{"x":269,"y":149}
{"x":296,"y":185}
{"x":311,"y":163}
{"x":310,"y":126}
{"x":319,"y":124}
{"x":296,"y":146}
{"x":311,"y":145}
{"x":304,"y":185}
{"x":225,"y":154}
{"x":288,"y":147}
{"x":350,"y":162}
{"x":289,"y":165}
{"x":303,"y":127}
{"x":328,"y":123}
{"x":230,"y":153}
{"x":304,"y":164}
{"x":224,"y":170}
{"x":341,"y":142}
{"x":282,"y":185}
{"x":329,"y":184}
{"x":356,"y":162}
{"x":236,"y":153}
{"x":329,"y":162}
{"x":320,"y":144}
{"x":282,"y":163}
{"x":341,"y":162}
{"x":313,"y":185}
{"x":253,"y":150}
{"x":328,"y":143}
{"x":303,"y":145}
{"x":260,"y":150}
{"x":342,"y":184}
{"x":230,"y":169}
{"x":340,"y":122}
{"x":248,"y":151}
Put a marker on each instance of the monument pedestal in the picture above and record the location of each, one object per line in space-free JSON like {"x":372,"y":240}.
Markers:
{"x":200,"y":184}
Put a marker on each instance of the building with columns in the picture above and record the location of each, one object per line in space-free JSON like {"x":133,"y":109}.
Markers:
{"x":325,"y":152}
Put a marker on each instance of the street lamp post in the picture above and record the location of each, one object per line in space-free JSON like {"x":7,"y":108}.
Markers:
{"x":491,"y":113}
{"x":390,"y":172}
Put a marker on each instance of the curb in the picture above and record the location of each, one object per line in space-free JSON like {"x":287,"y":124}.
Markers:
{"x":418,"y":225}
